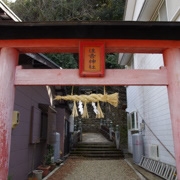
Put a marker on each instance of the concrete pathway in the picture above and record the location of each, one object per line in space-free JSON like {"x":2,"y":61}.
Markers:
{"x":93,"y":137}
{"x":77,"y":169}
{"x":85,"y":169}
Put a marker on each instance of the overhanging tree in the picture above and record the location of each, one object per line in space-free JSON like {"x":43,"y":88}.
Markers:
{"x":70,"y":10}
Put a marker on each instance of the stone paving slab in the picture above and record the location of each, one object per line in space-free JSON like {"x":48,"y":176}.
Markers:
{"x":93,"y":137}
{"x":75,"y":169}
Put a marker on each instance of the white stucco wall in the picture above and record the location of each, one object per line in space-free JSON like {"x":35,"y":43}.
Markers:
{"x":152,"y":104}
{"x":138,"y":6}
{"x":178,"y":19}
{"x":173,"y":6}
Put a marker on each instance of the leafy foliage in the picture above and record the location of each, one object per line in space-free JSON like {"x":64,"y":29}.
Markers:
{"x":64,"y":60}
{"x":49,"y":154}
{"x":111,"y":61}
{"x":111,"y":10}
{"x":70,"y":10}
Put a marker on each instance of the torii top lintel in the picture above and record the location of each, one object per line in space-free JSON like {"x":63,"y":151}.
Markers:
{"x":118,"y":36}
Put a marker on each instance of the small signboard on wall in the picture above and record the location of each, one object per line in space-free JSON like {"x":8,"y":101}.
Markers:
{"x":91,"y":59}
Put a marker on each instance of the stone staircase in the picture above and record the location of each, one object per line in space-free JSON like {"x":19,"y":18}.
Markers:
{"x":96,"y":151}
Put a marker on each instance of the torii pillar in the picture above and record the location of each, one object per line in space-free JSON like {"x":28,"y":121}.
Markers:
{"x":8,"y":62}
{"x":172,"y":63}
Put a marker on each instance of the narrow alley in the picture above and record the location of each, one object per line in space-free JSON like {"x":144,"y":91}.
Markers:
{"x":94,"y":168}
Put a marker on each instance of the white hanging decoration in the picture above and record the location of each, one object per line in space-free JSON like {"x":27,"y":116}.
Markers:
{"x":95,"y":108}
{"x":80,"y":107}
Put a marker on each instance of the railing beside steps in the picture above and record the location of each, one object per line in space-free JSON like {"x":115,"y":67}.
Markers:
{"x":110,"y":134}
{"x":105,"y":132}
{"x":76,"y":137}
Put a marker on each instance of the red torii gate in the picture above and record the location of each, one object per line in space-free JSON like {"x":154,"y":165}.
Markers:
{"x":64,"y":37}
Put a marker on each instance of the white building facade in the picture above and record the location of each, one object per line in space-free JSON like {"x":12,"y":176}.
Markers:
{"x":150,"y":103}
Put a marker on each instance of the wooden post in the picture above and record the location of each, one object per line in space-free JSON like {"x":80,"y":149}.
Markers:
{"x":8,"y":63}
{"x":172,"y":63}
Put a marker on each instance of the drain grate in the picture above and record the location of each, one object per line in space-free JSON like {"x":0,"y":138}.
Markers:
{"x":161,"y":169}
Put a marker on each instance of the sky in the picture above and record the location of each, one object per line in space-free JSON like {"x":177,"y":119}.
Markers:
{"x":11,"y":0}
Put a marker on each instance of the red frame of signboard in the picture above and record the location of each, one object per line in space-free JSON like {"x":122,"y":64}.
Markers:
{"x":83,"y":59}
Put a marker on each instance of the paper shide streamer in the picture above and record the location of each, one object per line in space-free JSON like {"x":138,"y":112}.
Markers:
{"x":95,"y":108}
{"x":80,"y":107}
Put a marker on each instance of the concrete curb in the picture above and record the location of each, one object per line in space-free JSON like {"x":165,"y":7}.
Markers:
{"x":138,"y":174}
{"x":51,"y":173}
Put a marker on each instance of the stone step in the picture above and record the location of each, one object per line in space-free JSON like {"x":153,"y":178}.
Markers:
{"x":95,"y":149}
{"x":94,"y":158}
{"x":95,"y":146}
{"x":96,"y":143}
{"x":95,"y":152}
{"x":100,"y":155}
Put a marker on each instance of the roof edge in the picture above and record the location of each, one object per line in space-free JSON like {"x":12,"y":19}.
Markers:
{"x":9,"y":12}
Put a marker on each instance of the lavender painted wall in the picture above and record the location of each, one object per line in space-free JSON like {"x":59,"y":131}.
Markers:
{"x":22,"y":152}
{"x":60,"y":126}
{"x":62,"y":115}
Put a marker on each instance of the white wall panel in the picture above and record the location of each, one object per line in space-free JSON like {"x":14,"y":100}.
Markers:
{"x":138,"y":6}
{"x":172,"y":8}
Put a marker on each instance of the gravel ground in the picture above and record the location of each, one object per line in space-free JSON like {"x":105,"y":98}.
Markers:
{"x":78,"y":169}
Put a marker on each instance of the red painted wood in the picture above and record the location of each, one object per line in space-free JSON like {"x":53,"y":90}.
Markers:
{"x":8,"y":62}
{"x":113,"y":77}
{"x":72,"y":45}
{"x":172,"y":62}
{"x":84,"y":73}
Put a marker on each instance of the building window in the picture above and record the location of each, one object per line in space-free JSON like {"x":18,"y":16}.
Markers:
{"x":132,"y":121}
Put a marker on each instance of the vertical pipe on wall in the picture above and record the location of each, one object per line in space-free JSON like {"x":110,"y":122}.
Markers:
{"x":8,"y":62}
{"x":172,"y":63}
